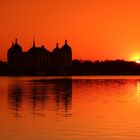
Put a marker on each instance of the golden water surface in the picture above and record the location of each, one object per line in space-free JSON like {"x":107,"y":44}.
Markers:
{"x":70,"y":108}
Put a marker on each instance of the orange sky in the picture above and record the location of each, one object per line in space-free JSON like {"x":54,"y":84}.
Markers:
{"x":95,"y":29}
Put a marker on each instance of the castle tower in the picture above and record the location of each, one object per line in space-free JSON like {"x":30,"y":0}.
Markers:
{"x":55,"y":62}
{"x":66,"y":55}
{"x":14,"y":56}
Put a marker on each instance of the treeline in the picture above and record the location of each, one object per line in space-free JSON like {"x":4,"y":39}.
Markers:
{"x":107,"y":67}
{"x":82,"y":67}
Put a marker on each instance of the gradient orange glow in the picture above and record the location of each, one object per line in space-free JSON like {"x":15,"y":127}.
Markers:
{"x":96,"y":29}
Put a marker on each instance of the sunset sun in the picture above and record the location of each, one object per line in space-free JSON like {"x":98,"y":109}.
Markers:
{"x":138,"y":61}
{"x":135,"y":57}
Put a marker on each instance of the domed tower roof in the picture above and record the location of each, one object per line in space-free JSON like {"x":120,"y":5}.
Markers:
{"x":15,"y":47}
{"x":66,"y":47}
{"x":56,"y":49}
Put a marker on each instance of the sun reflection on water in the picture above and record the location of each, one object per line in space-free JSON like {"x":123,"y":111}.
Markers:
{"x":138,"y":90}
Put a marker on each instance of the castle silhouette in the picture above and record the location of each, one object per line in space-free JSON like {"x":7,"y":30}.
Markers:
{"x":39,"y":60}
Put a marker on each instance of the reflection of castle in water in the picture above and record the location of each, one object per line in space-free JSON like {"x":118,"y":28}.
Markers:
{"x":38,"y":60}
{"x":41,"y":96}
{"x":15,"y":97}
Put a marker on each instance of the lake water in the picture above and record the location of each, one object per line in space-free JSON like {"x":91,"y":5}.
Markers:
{"x":70,"y":108}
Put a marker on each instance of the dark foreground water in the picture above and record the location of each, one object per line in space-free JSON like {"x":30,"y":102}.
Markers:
{"x":70,"y":108}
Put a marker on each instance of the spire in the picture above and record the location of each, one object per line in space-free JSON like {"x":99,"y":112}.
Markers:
{"x":16,"y":41}
{"x":33,"y":42}
{"x":12,"y":43}
{"x":57,"y":45}
{"x":65,"y":42}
